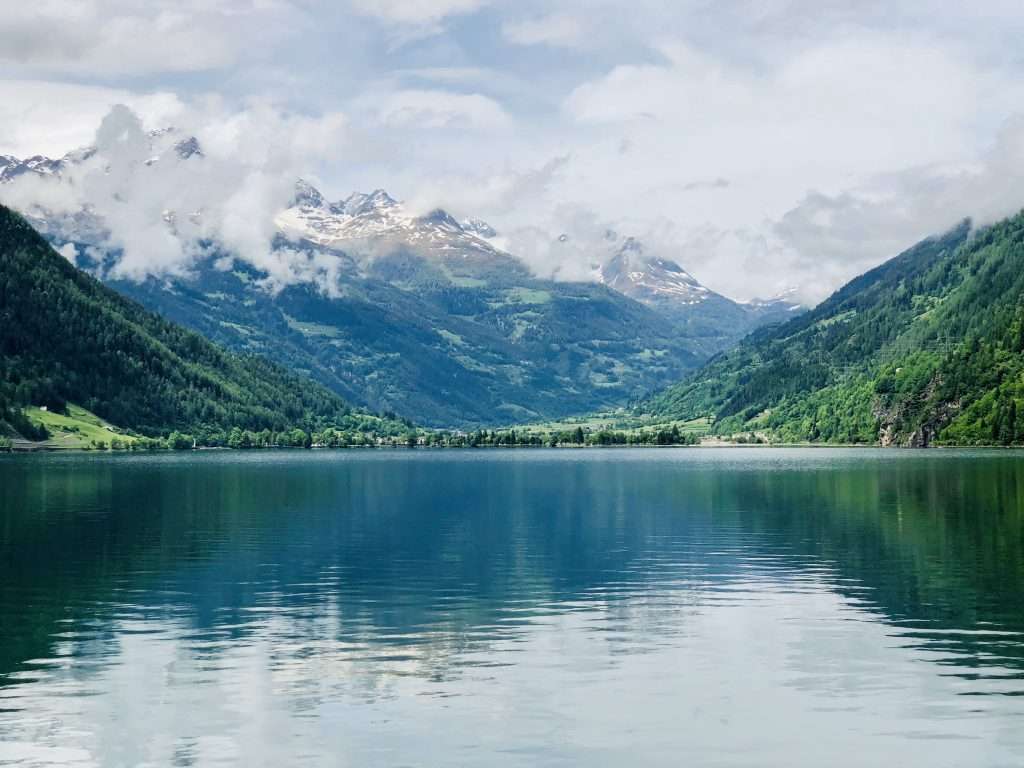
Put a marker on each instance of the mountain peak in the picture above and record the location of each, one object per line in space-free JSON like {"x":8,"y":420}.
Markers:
{"x":359,"y":203}
{"x":441,"y":218}
{"x":189,"y":147}
{"x":480,"y":228}
{"x":376,"y":224}
{"x":778,"y":306}
{"x":787,"y":295}
{"x":381,"y":198}
{"x":649,"y":278}
{"x":306,"y":195}
{"x":11,"y":167}
{"x":632,"y":257}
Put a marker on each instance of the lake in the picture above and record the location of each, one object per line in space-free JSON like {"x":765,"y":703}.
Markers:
{"x":734,"y":607}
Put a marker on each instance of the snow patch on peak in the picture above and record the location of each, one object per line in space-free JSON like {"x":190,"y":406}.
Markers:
{"x":359,"y":203}
{"x":441,"y":218}
{"x":480,"y":228}
{"x":788,"y":296}
{"x":373,"y":224}
{"x":307,"y":196}
{"x":648,"y":277}
{"x":162,"y":143}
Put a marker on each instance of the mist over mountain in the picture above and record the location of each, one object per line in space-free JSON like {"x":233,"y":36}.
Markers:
{"x":161,"y":202}
{"x":131,"y":367}
{"x":530,"y":379}
{"x":394,"y":308}
{"x":926,"y":348}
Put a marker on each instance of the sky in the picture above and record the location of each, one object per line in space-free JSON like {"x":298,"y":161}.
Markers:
{"x":762,"y":145}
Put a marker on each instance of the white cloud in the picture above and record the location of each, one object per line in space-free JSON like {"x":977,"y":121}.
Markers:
{"x":449,"y":75}
{"x":159,"y":209}
{"x":559,"y":30}
{"x":826,"y":239}
{"x":758,"y":142}
{"x":836,"y":237}
{"x":439,"y":109}
{"x":69,"y":252}
{"x":120,"y":37}
{"x":854,"y":105}
{"x":49,"y":118}
{"x":833,"y":117}
{"x":425,"y":12}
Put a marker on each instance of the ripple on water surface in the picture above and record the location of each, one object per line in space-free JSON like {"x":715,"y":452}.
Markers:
{"x":747,"y":607}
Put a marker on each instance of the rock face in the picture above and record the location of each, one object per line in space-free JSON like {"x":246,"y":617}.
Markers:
{"x":480,"y":228}
{"x":919,"y":438}
{"x":913,"y":422}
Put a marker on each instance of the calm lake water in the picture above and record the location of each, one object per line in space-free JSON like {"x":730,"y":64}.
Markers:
{"x":736,"y":607}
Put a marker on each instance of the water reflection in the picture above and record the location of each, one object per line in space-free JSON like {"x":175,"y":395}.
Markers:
{"x":732,"y":608}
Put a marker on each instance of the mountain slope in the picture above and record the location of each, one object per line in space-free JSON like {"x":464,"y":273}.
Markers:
{"x":925,"y":348}
{"x":423,"y":315}
{"x":448,"y":355}
{"x":710,"y":321}
{"x":64,"y":337}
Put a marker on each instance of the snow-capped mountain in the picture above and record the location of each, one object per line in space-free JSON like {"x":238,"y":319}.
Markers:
{"x":361,"y":225}
{"x":666,"y":287}
{"x":394,"y":308}
{"x":479,"y":227}
{"x":781,"y":306}
{"x":161,"y":142}
{"x":11,"y":167}
{"x":649,"y":278}
{"x":376,"y":224}
{"x":655,"y":280}
{"x":187,"y":148}
{"x":371,"y":228}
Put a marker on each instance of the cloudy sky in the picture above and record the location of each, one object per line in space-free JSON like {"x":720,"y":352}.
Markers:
{"x":761,"y":144}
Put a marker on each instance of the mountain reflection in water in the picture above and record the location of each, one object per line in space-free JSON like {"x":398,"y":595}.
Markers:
{"x":733,"y":607}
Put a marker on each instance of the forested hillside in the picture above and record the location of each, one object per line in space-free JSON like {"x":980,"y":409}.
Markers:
{"x":509,"y":350}
{"x":66,"y":338}
{"x":926,"y":348}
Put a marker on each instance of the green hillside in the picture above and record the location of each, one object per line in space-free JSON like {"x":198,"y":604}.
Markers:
{"x":65,"y":338}
{"x":503,"y":349}
{"x":927,"y":348}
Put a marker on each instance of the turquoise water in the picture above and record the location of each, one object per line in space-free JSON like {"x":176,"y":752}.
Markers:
{"x":737,"y":607}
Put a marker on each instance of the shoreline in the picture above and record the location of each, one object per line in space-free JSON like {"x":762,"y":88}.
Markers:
{"x":707,"y":445}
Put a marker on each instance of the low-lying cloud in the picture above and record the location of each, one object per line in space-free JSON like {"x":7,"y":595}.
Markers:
{"x":163,"y":212}
{"x":758,"y":144}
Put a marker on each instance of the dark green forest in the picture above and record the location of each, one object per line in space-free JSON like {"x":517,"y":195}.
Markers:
{"x":926,"y":349}
{"x":66,"y":338}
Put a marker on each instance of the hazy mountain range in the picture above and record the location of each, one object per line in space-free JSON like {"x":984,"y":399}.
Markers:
{"x":421,"y":314}
{"x":427,"y":315}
